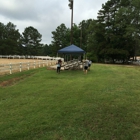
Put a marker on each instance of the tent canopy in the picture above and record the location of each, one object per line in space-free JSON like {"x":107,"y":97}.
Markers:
{"x":72,"y":49}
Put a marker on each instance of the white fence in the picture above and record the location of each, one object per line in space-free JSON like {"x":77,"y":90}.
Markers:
{"x":18,"y":67}
{"x":30,"y":57}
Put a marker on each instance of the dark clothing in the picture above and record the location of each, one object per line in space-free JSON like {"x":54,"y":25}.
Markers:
{"x":58,"y":66}
{"x":85,"y":67}
{"x":58,"y":69}
{"x":89,"y":64}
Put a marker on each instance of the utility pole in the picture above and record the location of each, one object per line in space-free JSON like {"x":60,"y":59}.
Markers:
{"x":81,"y":37}
{"x":71,"y":7}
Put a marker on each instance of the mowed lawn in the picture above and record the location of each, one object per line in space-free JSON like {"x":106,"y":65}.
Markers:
{"x":43,"y":105}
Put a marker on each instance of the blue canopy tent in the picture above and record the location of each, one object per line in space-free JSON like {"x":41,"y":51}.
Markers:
{"x":71,"y":50}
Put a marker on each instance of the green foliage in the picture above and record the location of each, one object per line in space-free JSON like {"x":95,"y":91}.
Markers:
{"x":104,"y":104}
{"x":60,"y":38}
{"x":116,"y":31}
{"x":9,"y":39}
{"x":76,"y":35}
{"x":85,"y":32}
{"x":31,"y":40}
{"x":92,"y":56}
{"x":13,"y":43}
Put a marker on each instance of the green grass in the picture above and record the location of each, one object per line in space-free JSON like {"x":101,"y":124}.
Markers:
{"x":44,"y":105}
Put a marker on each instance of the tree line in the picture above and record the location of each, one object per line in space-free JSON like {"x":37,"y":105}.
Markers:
{"x":13,"y":43}
{"x":114,"y":35}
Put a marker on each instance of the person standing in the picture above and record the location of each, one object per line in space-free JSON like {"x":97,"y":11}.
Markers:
{"x":89,"y":64}
{"x":60,"y":61}
{"x":58,"y":66}
{"x":86,"y":66}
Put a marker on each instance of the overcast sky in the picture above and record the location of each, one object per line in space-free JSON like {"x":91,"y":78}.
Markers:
{"x":47,"y":15}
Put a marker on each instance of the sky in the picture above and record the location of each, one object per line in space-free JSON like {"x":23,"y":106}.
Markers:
{"x":47,"y":15}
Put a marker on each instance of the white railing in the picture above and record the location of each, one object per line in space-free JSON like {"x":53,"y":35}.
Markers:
{"x":18,"y":67}
{"x":30,"y":57}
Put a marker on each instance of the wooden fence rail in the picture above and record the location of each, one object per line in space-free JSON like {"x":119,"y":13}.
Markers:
{"x":18,"y":67}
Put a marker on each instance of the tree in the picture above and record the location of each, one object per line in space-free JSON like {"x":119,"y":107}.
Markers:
{"x":121,"y":37}
{"x":114,"y":32}
{"x":9,"y":39}
{"x":84,"y":32}
{"x":31,"y":41}
{"x":92,"y":43}
{"x":60,"y":38}
{"x":2,"y":27}
{"x":46,"y":50}
{"x":76,"y":35}
{"x":132,"y":27}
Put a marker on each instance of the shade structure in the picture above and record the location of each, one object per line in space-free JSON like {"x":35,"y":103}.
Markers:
{"x":72,"y":49}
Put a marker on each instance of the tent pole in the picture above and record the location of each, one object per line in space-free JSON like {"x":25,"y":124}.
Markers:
{"x":64,"y":56}
{"x":67,"y":57}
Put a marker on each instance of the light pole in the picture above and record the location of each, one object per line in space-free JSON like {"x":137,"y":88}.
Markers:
{"x":71,"y":7}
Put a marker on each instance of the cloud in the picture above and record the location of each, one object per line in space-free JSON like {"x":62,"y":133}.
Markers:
{"x":46,"y":15}
{"x":18,"y":10}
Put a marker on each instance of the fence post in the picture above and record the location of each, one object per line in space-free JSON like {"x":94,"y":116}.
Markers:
{"x":47,"y":63}
{"x":20,"y":66}
{"x":39,"y":64}
{"x":10,"y":68}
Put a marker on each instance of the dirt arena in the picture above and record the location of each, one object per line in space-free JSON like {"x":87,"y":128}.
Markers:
{"x":13,"y":65}
{"x":15,"y":61}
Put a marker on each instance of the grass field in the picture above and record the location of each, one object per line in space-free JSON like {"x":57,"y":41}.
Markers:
{"x":42,"y":105}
